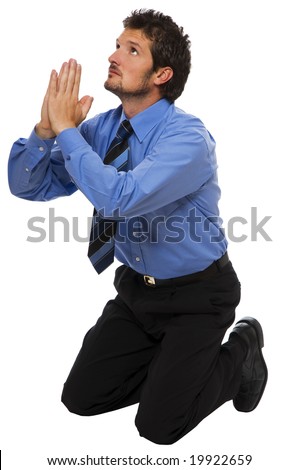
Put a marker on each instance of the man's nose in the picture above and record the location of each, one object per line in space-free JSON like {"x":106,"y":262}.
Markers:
{"x":114,"y":57}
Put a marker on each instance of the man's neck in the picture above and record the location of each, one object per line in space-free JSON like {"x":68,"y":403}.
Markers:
{"x":135,"y":106}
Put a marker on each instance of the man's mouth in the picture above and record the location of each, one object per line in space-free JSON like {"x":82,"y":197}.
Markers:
{"x":114,"y":70}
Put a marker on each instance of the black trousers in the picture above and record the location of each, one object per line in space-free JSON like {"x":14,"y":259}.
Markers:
{"x":162,"y":348}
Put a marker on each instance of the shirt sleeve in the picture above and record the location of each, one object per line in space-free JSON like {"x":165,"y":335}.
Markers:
{"x":36,"y":170}
{"x":179,"y":164}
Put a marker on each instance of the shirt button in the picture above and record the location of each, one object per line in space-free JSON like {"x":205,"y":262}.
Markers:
{"x":27,"y":169}
{"x":41,"y":149}
{"x":137,"y":258}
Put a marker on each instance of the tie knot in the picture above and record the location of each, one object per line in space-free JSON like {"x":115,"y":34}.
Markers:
{"x":120,"y":143}
{"x":125,"y":130}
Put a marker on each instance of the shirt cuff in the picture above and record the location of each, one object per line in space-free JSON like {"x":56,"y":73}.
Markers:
{"x":35,"y":141}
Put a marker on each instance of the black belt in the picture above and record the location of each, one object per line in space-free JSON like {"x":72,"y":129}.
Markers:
{"x":214,"y":268}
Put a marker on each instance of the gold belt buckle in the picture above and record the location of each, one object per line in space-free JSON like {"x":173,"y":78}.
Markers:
{"x":149,"y":281}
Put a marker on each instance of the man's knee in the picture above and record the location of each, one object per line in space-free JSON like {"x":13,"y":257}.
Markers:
{"x":74,"y":401}
{"x":81,"y":399}
{"x":156,"y":429}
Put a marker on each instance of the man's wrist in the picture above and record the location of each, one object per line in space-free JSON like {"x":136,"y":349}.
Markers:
{"x":43,"y":132}
{"x":66,"y":125}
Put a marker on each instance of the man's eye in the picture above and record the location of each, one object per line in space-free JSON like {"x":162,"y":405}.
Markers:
{"x":134,"y":51}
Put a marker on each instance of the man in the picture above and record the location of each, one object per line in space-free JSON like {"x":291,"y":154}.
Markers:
{"x":155,"y":192}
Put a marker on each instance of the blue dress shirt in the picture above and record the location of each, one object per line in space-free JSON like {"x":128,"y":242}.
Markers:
{"x":166,"y":203}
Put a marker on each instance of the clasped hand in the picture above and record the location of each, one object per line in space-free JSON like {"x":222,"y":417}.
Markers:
{"x":61,"y":107}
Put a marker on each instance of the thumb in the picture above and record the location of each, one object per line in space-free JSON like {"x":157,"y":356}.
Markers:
{"x":86,"y":103}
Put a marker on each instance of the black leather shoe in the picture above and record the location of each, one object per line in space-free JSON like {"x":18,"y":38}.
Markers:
{"x":254,"y":369}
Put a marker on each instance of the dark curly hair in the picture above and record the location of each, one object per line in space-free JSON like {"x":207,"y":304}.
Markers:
{"x":170,"y":47}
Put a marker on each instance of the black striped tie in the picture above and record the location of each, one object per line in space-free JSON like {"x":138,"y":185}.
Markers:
{"x":101,"y":242}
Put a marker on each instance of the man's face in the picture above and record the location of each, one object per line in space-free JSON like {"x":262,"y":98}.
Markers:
{"x":131,"y":66}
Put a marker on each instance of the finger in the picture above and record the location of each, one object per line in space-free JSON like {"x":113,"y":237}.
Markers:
{"x":63,"y":77}
{"x":71,"y":76}
{"x":52,"y":88}
{"x":50,"y":81}
{"x":60,"y":74}
{"x":77,"y":80}
{"x":46,"y":97}
{"x":86,"y":103}
{"x":44,"y":110}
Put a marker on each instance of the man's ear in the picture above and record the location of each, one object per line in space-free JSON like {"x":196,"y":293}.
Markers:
{"x":163,"y":75}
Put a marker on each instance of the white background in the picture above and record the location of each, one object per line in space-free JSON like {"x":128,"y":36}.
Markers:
{"x":244,"y":86}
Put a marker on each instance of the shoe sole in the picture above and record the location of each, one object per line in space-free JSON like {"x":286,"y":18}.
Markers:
{"x":260,"y":339}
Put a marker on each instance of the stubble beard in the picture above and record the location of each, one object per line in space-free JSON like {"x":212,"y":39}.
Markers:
{"x":126,"y":95}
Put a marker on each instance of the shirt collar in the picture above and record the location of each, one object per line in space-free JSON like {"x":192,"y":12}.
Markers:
{"x":145,"y":121}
